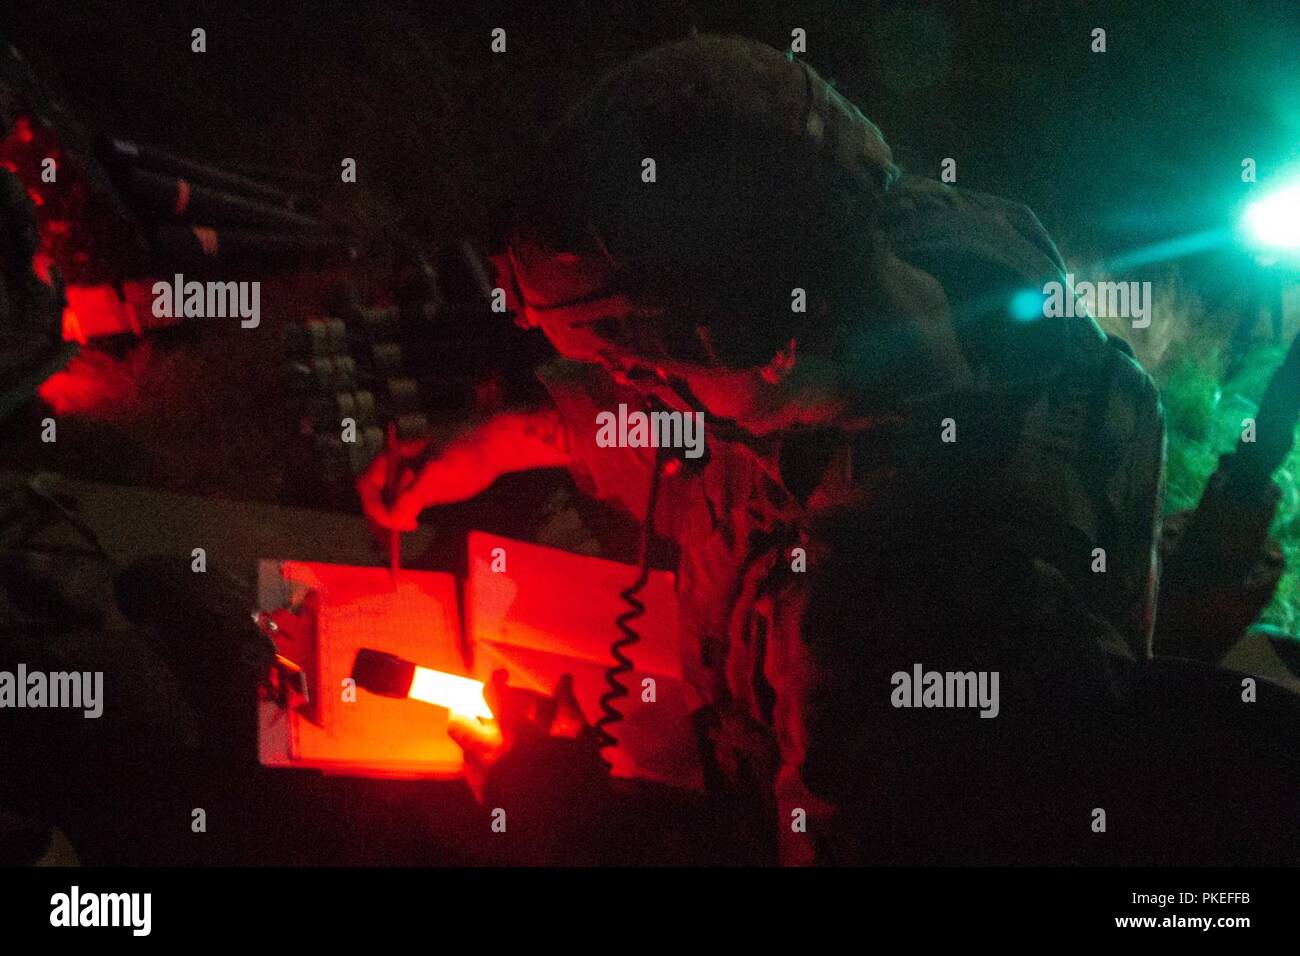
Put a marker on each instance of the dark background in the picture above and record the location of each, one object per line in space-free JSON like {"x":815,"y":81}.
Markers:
{"x":1111,"y":149}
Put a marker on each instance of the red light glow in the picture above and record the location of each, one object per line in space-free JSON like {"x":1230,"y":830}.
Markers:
{"x":463,"y":696}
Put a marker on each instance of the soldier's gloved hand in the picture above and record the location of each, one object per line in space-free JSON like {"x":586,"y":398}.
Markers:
{"x":538,"y":750}
{"x":373,"y":483}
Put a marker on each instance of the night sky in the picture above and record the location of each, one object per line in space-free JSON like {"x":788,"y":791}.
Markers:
{"x":1112,"y":149}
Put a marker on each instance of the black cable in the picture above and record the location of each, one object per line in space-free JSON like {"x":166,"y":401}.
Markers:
{"x":636,"y":608}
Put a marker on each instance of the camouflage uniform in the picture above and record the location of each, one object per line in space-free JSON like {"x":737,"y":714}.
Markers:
{"x":1059,"y":453}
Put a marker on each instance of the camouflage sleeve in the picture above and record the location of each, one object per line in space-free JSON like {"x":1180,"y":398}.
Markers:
{"x":984,"y":250}
{"x":619,"y":476}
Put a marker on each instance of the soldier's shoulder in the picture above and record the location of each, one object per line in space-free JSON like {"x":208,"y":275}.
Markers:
{"x":929,"y":218}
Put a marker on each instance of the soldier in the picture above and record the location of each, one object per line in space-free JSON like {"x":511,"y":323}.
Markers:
{"x":897,"y":470}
